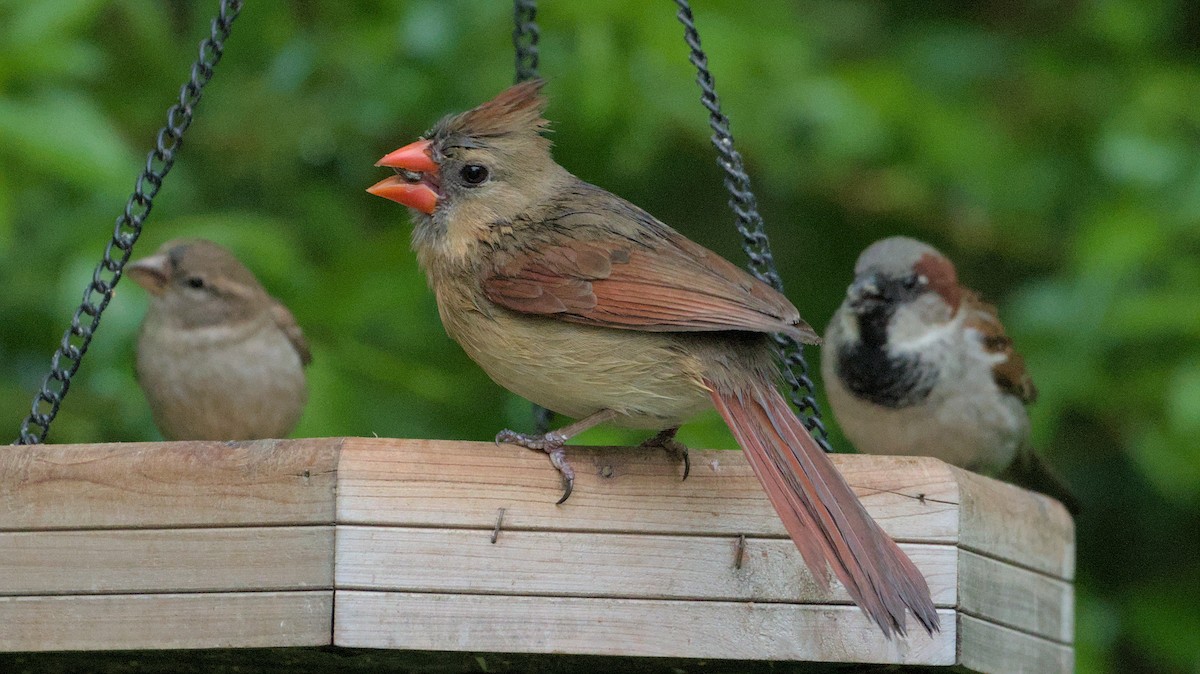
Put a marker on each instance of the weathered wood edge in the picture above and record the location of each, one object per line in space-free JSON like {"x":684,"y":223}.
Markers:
{"x":1006,"y":522}
{"x":422,"y":483}
{"x":599,"y":565}
{"x":465,"y":485}
{"x":166,"y":621}
{"x":285,"y":482}
{"x":647,"y":628}
{"x":989,"y":648}
{"x":1016,"y":597}
{"x":167,"y":560}
{"x":152,"y":484}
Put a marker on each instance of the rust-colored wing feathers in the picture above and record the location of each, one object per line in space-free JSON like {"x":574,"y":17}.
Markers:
{"x":556,"y":279}
{"x":1010,"y":374}
{"x":669,"y":284}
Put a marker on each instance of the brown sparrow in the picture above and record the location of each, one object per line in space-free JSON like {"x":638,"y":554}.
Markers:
{"x":217,"y":357}
{"x":916,"y":364}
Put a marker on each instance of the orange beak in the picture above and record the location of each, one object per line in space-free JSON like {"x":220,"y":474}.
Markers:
{"x":417,"y":188}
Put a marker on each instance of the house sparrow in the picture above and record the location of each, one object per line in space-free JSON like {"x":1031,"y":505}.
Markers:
{"x":583,"y":303}
{"x":217,"y":357}
{"x":916,"y":364}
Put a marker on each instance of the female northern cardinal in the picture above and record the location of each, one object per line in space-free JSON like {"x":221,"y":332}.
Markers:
{"x":916,"y":364}
{"x":585,"y":304}
{"x":218,"y":358}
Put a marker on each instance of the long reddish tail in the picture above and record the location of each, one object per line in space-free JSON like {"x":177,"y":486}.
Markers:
{"x":821,"y":513}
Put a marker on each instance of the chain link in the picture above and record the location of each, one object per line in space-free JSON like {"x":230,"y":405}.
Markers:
{"x":99,"y":291}
{"x":525,"y":38}
{"x":525,"y":46}
{"x":750,"y":225}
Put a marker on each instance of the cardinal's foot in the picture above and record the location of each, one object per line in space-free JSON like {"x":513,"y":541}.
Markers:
{"x":553,"y":445}
{"x":675,"y":449}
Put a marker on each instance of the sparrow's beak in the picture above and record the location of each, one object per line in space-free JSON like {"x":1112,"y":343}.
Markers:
{"x":865,"y":293}
{"x":416,"y":181}
{"x":151,"y":273}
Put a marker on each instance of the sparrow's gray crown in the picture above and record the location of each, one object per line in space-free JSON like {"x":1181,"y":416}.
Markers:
{"x":893,"y":257}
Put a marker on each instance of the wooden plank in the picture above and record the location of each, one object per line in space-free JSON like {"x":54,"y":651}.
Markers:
{"x":457,"y":484}
{"x":637,"y":563}
{"x":462,"y":484}
{"x":261,"y":482}
{"x":166,"y":560}
{"x":600,"y":565}
{"x":166,"y":621}
{"x":637,"y":627}
{"x":1006,"y":522}
{"x":993,"y":649}
{"x":426,"y":483}
{"x":1009,"y":595}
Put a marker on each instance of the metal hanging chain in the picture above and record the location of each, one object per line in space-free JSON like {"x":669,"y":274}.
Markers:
{"x":750,"y":225}
{"x":525,"y":46}
{"x":525,"y":38}
{"x":99,"y":291}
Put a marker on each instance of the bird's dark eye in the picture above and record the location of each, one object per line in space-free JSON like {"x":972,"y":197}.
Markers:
{"x":912,"y":282}
{"x":474,"y":174}
{"x":195,"y":282}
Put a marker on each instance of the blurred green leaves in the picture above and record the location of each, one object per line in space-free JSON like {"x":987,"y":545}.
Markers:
{"x":1049,"y":148}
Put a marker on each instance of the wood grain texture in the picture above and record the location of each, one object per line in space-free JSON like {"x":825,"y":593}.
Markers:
{"x":166,"y":621}
{"x":992,"y":649}
{"x":600,"y":565}
{"x":126,"y":485}
{"x":1006,"y":522}
{"x":623,"y":490}
{"x":644,"y":628}
{"x":1016,"y":597}
{"x":166,"y":560}
{"x":232,"y":536}
{"x":619,"y":490}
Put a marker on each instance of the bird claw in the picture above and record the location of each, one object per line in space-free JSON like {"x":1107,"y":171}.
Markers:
{"x":665,"y":440}
{"x":553,"y":445}
{"x":558,"y":458}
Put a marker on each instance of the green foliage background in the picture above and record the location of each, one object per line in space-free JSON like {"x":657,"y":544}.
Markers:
{"x":1049,"y":148}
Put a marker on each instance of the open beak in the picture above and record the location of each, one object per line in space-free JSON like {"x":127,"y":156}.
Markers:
{"x":151,"y":273}
{"x":416,"y":181}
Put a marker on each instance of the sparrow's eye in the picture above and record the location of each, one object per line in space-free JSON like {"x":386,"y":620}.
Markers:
{"x":195,"y":282}
{"x":474,"y":174}
{"x":914,"y":282}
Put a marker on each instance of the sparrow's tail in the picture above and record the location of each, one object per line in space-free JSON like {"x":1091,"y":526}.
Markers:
{"x":1031,"y":471}
{"x":821,"y":513}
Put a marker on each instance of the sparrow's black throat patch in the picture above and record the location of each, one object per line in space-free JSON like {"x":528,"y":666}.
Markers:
{"x":871,"y":373}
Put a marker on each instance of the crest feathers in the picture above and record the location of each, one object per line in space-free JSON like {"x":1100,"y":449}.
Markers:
{"x":516,"y":109}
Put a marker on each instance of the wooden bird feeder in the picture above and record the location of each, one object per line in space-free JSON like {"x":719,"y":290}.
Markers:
{"x":458,"y":547}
